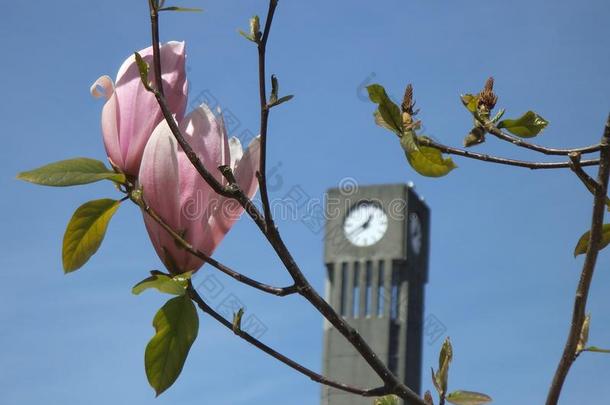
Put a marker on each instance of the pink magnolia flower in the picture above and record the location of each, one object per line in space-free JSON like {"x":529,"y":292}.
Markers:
{"x":131,"y":113}
{"x":176,"y":192}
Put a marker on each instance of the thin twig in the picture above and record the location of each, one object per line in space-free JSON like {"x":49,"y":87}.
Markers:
{"x":154,"y":25}
{"x":503,"y":161}
{"x":264,"y":113}
{"x":278,"y":291}
{"x":497,"y":132}
{"x":582,"y":292}
{"x":576,"y":167}
{"x":194,"y":295}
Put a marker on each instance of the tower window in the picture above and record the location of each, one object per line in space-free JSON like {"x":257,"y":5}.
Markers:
{"x":395,"y":297}
{"x":343,"y":295}
{"x":380,"y":289}
{"x":368,"y":288}
{"x":330,"y":284}
{"x":356,"y":291}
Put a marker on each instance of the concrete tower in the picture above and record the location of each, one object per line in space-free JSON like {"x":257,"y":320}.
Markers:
{"x":376,"y":256}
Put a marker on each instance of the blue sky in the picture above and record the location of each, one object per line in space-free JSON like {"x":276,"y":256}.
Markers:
{"x":502,"y":275}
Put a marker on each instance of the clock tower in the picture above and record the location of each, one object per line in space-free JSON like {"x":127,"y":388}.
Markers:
{"x":376,"y":256}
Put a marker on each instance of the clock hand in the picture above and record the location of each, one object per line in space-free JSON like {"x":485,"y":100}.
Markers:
{"x":361,"y":228}
{"x":356,"y":231}
{"x":367,"y":222}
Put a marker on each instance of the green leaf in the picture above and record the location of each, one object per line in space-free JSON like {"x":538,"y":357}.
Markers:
{"x":143,"y":69}
{"x":275,"y":88}
{"x":255,"y":28}
{"x":388,"y":110}
{"x":176,"y":325}
{"x":439,"y":379}
{"x":470,"y":101}
{"x":71,"y":172}
{"x":283,"y":99}
{"x":583,"y":242}
{"x":387,"y":400}
{"x":444,"y":359}
{"x":164,"y":283}
{"x":247,"y":36}
{"x":436,"y":382}
{"x":596,"y":349}
{"x":237,"y":320}
{"x":468,"y":398}
{"x":528,"y":125}
{"x":426,"y":160}
{"x":182,"y":9}
{"x":85,"y":232}
{"x":381,"y":122}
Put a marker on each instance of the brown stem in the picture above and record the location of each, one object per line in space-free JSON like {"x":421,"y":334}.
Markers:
{"x":154,"y":25}
{"x":276,"y":355}
{"x":492,"y":129}
{"x":503,"y":161}
{"x":582,"y":292}
{"x":576,"y":167}
{"x":264,"y":113}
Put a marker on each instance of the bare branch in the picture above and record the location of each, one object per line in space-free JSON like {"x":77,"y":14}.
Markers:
{"x":492,"y":129}
{"x":576,"y":167}
{"x":276,"y":355}
{"x":582,"y":292}
{"x":264,"y":113}
{"x":503,"y":161}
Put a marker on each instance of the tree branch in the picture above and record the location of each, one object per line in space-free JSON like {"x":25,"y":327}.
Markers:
{"x":194,"y":295}
{"x":264,"y":113}
{"x":587,"y":180}
{"x":503,"y":161}
{"x":154,"y":25}
{"x":497,"y":132}
{"x":582,"y":292}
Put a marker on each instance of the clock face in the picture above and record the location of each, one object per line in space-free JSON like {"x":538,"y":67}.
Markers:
{"x":365,"y":224}
{"x":415,"y":233}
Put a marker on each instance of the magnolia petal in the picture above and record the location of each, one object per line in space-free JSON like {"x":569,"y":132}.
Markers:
{"x":139,"y":110}
{"x":105,"y":84}
{"x":172,"y":55}
{"x":159,"y":179}
{"x":226,"y":156}
{"x":110,"y":131}
{"x":246,"y":168}
{"x":236,"y":151}
{"x":229,"y":210}
{"x":206,"y":135}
